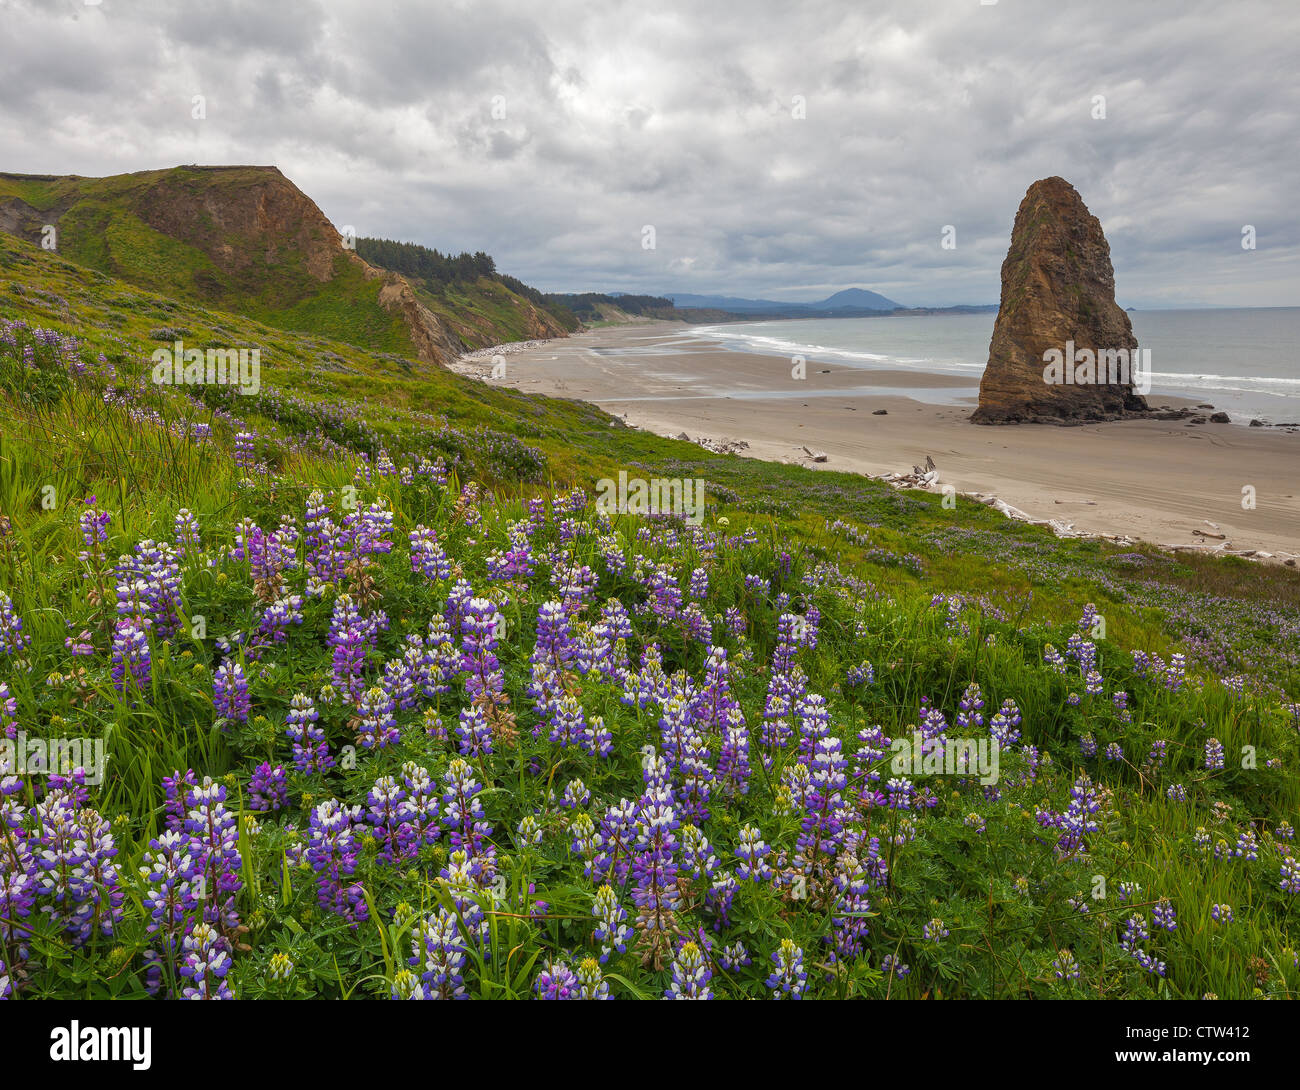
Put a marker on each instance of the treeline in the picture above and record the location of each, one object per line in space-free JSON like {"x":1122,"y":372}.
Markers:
{"x":433,"y":271}
{"x":421,"y":263}
{"x":586,"y":305}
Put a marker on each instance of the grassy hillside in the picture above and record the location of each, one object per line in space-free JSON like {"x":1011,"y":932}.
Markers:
{"x":245,"y":239}
{"x":378,"y":607}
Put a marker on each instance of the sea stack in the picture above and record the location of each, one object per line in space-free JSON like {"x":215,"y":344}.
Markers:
{"x":1058,"y":296}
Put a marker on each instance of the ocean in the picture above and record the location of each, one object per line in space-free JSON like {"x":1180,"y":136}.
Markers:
{"x":1245,"y":362}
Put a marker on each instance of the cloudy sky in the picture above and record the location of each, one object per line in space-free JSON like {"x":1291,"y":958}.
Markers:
{"x":778,"y":149}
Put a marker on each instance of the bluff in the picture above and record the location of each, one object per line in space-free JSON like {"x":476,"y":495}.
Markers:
{"x":246,"y":240}
{"x":1058,"y":291}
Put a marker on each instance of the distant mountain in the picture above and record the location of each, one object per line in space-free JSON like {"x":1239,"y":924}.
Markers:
{"x":851,"y":299}
{"x":855,"y":299}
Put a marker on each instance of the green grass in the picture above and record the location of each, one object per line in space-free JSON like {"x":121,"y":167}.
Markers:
{"x":935,"y":600}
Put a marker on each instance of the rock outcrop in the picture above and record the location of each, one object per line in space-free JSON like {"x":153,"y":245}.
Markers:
{"x":1058,"y":296}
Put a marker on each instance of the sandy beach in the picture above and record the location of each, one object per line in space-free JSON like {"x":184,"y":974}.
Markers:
{"x":1157,"y":481}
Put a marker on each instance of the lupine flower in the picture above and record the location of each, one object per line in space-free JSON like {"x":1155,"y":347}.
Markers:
{"x":788,"y":979}
{"x":1163,"y":916}
{"x":556,"y":981}
{"x":268,"y":790}
{"x":591,"y":981}
{"x":131,"y":660}
{"x":281,"y":966}
{"x":934,"y":931}
{"x":439,"y":952}
{"x":310,"y":750}
{"x":230,"y":695}
{"x":13,"y":639}
{"x":206,"y":961}
{"x":691,"y":974}
{"x":376,"y":727}
{"x":610,"y":930}
{"x":735,"y":957}
{"x":475,"y":732}
{"x":752,"y":854}
{"x":1065,"y":967}
{"x":186,"y":531}
{"x":332,"y":853}
{"x":216,"y":841}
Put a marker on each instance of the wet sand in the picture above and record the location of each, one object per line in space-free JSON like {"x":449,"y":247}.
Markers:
{"x":1151,"y":480}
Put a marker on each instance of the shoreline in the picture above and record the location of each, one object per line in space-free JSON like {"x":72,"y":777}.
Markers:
{"x":1171,"y":483}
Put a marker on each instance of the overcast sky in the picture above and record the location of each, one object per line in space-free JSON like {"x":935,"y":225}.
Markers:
{"x":681,"y":116}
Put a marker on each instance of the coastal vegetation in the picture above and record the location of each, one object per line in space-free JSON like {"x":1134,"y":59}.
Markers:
{"x":390,"y":707}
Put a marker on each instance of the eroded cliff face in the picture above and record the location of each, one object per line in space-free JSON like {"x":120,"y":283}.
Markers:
{"x":1058,"y":295}
{"x":434,"y":342}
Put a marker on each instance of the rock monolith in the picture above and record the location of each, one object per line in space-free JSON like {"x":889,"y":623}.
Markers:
{"x":1058,"y":301}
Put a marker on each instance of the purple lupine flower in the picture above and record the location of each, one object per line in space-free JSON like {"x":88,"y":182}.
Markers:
{"x":462,"y":810}
{"x":427,"y":556}
{"x":186,"y":533}
{"x":1163,"y":915}
{"x":245,"y":450}
{"x":733,"y":761}
{"x":439,"y":952}
{"x":596,"y":738}
{"x":789,"y":977}
{"x":278,"y":616}
{"x":591,"y":981}
{"x":13,"y":639}
{"x":611,"y":932}
{"x":691,"y":974}
{"x":310,"y":750}
{"x":934,"y":931}
{"x":148,"y":585}
{"x":653,"y":868}
{"x":172,"y":873}
{"x":230,"y":692}
{"x":752,"y":854}
{"x":556,"y":981}
{"x":216,"y":834}
{"x":8,"y":715}
{"x":1005,"y":723}
{"x":376,"y":727}
{"x":332,"y":852}
{"x":131,"y":661}
{"x":206,"y":961}
{"x":268,"y":789}
{"x":481,"y":627}
{"x":177,"y":786}
{"x":474,"y":731}
{"x":1213,"y":754}
{"x":350,"y":636}
{"x":569,"y":722}
{"x":94,"y":531}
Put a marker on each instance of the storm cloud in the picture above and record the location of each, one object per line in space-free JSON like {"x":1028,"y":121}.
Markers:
{"x":784,"y":150}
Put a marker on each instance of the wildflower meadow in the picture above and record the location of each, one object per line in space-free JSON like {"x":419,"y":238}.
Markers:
{"x":304,"y":699}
